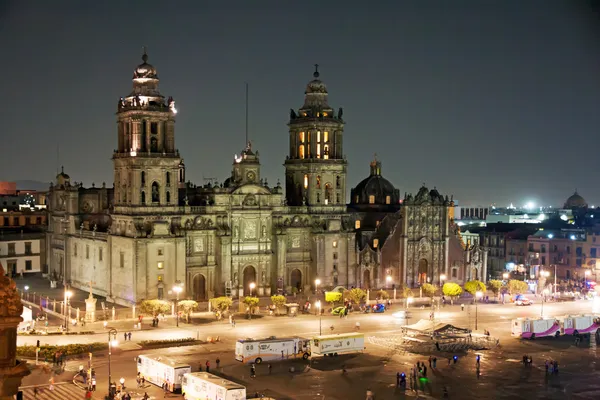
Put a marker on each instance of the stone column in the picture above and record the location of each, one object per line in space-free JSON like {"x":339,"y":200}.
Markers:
{"x":133,"y":314}
{"x":113,"y":313}
{"x":54,"y":305}
{"x":77,"y":314}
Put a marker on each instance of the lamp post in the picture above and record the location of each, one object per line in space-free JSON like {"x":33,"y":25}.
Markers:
{"x":388,"y":280}
{"x":68,"y":295}
{"x":408,"y":301}
{"x":112,"y":332}
{"x":177,"y":289}
{"x":586,"y":275}
{"x":478,"y":294}
{"x":318,"y":304}
{"x":252,"y":286}
{"x":122,"y":382}
{"x":317,"y":283}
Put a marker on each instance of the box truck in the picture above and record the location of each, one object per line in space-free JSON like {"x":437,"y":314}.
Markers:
{"x":538,"y":327}
{"x":270,"y":349}
{"x":205,"y":386}
{"x":160,"y":370}
{"x":333,"y":345}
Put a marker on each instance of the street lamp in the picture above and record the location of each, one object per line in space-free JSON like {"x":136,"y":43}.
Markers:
{"x":318,"y":304}
{"x":478,"y":295}
{"x":388,"y":280}
{"x":68,"y":295}
{"x":252,"y":286}
{"x":177,"y":289}
{"x":122,"y":382}
{"x":442,"y":279}
{"x":505,"y":276}
{"x":408,"y":301}
{"x":317,"y":283}
{"x":112,"y":342}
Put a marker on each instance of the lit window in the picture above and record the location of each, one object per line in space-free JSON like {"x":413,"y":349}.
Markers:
{"x":318,"y":150}
{"x":387,"y":199}
{"x":325,"y":114}
{"x":335,"y":244}
{"x":305,"y":181}
{"x":326,"y":152}
{"x":376,"y":223}
{"x":318,"y":182}
{"x":301,"y":151}
{"x":301,"y":136}
{"x":375,"y":243}
{"x":371,"y":199}
{"x":357,"y":224}
{"x":318,"y":136}
{"x":160,"y":265}
{"x":325,"y":137}
{"x":356,"y":199}
{"x":160,"y":278}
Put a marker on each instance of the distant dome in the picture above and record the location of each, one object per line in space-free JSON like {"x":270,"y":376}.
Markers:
{"x":375,"y":189}
{"x":145,"y":70}
{"x":575,"y":201}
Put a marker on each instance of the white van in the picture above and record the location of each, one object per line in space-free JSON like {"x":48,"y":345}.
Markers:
{"x":159,"y":370}
{"x":272,"y":348}
{"x":579,"y":324}
{"x":538,"y":327}
{"x":205,"y":386}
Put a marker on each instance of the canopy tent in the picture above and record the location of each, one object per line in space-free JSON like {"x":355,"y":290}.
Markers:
{"x":425,"y":326}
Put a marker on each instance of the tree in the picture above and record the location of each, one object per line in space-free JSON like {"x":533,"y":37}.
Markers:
{"x":517,"y":287}
{"x":405,"y":291}
{"x":474,"y":286}
{"x":186,"y":307}
{"x":251,"y":302}
{"x":452,"y":290}
{"x":495,"y":285}
{"x":383,"y":294}
{"x":278,"y":301}
{"x":355,"y":295}
{"x":221,"y":304}
{"x":154,"y":307}
{"x":428,"y":290}
{"x":333,"y":297}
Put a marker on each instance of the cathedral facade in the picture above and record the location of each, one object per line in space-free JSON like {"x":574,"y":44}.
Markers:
{"x":153,"y":231}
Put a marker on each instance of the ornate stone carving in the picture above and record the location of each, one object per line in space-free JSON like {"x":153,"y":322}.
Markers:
{"x":10,"y":301}
{"x":296,"y":242}
{"x":202,"y":223}
{"x":250,"y":200}
{"x":250,"y":230}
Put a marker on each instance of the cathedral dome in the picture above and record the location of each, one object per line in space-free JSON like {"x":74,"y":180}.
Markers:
{"x":145,"y":70}
{"x":575,"y":201}
{"x":375,"y":189}
{"x":316,"y":85}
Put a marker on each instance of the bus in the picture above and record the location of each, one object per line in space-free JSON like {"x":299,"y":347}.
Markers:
{"x":271,"y":348}
{"x":160,"y":370}
{"x":205,"y":386}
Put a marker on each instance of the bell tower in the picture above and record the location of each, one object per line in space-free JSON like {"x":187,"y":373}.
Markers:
{"x":147,"y":165}
{"x":316,"y":167}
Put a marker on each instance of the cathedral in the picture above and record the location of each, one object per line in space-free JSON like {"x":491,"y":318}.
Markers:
{"x":153,"y":230}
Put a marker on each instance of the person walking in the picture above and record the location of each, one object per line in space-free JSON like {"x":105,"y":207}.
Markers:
{"x":218,"y":362}
{"x":125,"y":336}
{"x":129,"y":336}
{"x":252,"y":371}
{"x":269,"y":367}
{"x":434,"y":362}
{"x":207,"y":366}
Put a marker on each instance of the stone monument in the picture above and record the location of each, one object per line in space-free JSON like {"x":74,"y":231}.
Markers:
{"x":12,"y":370}
{"x":90,"y":306}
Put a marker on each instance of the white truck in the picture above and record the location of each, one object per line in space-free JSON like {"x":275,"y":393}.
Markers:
{"x":531,"y":328}
{"x":160,"y":370}
{"x":205,"y":386}
{"x":272,"y":348}
{"x":333,"y":345}
{"x":579,"y":324}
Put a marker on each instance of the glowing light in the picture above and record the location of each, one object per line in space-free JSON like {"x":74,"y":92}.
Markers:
{"x":317,"y":282}
{"x":542,"y":217}
{"x":550,"y":236}
{"x":26,"y":287}
{"x":133,"y":153}
{"x":572,"y":237}
{"x":530,"y":205}
{"x":172,"y":107}
{"x":564,"y":217}
{"x":238,"y":159}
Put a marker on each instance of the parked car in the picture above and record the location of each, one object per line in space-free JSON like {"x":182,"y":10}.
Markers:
{"x":523,"y":301}
{"x":378,"y":308}
{"x":338,"y":310}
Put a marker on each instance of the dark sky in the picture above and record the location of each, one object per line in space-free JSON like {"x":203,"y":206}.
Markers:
{"x":492,"y":101}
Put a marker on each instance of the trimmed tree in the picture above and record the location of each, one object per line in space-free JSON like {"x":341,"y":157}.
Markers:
{"x":383,"y":294}
{"x":406,"y":292}
{"x":517,"y":287}
{"x":278,"y":301}
{"x":428,"y":290}
{"x":495,"y":285}
{"x":154,"y":307}
{"x":452,"y":290}
{"x":251,"y":302}
{"x":221,"y":304}
{"x":186,"y":307}
{"x":475,"y":286}
{"x":355,"y":295}
{"x":333,"y":297}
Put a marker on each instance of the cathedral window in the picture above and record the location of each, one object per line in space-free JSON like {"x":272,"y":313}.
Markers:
{"x":161,"y":293}
{"x":301,"y":137}
{"x":318,"y":150}
{"x":87,"y":252}
{"x":143,"y":197}
{"x":301,"y":151}
{"x":335,"y":256}
{"x":305,"y":181}
{"x":371,"y":199}
{"x":375,"y":243}
{"x":318,"y":182}
{"x":168,"y":197}
{"x":75,"y":249}
{"x":328,"y":193}
{"x":334,"y":244}
{"x":160,"y":265}
{"x":318,"y":136}
{"x":388,"y":199}
{"x":143,"y":178}
{"x":318,"y":197}
{"x":357,"y":224}
{"x":154,"y":144}
{"x":154,"y":128}
{"x":356,"y":199}
{"x":325,"y":137}
{"x":155,"y":193}
{"x":337,"y":198}
{"x":159,"y":252}
{"x":326,"y":152}
{"x":100,"y":254}
{"x":338,"y":183}
{"x":168,"y":179}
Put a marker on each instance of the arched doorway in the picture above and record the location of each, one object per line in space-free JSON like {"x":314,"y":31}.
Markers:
{"x":474,"y":274}
{"x":422,"y":271}
{"x":296,"y":279}
{"x":199,"y":287}
{"x":367,"y":279}
{"x":249,"y":277}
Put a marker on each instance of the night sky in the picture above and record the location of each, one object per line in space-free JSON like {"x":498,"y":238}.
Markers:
{"x":492,"y":101}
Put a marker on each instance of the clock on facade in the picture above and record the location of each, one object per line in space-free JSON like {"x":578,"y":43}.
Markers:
{"x":251,"y":176}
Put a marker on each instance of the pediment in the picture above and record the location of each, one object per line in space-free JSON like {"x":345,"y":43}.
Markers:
{"x":251,"y":188}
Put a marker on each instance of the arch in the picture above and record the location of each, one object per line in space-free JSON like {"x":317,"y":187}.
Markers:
{"x":474,"y":274}
{"x":328,"y":193}
{"x":168,"y":197}
{"x":296,"y":279}
{"x":143,"y":197}
{"x":155,"y":192}
{"x":367,"y":279}
{"x":301,"y":151}
{"x":199,"y":287}
{"x":249,"y":276}
{"x":143,"y":178}
{"x":318,"y":181}
{"x":423,"y":267}
{"x":154,"y":144}
{"x":181,"y":177}
{"x":168,"y":180}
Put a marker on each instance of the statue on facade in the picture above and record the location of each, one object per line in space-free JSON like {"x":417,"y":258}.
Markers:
{"x":340,"y":113}
{"x":236,"y":282}
{"x":264,"y":278}
{"x":236,"y":232}
{"x":263,"y":231}
{"x":292,"y":114}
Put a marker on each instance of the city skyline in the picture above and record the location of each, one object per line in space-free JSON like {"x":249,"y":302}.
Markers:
{"x":487,"y":118}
